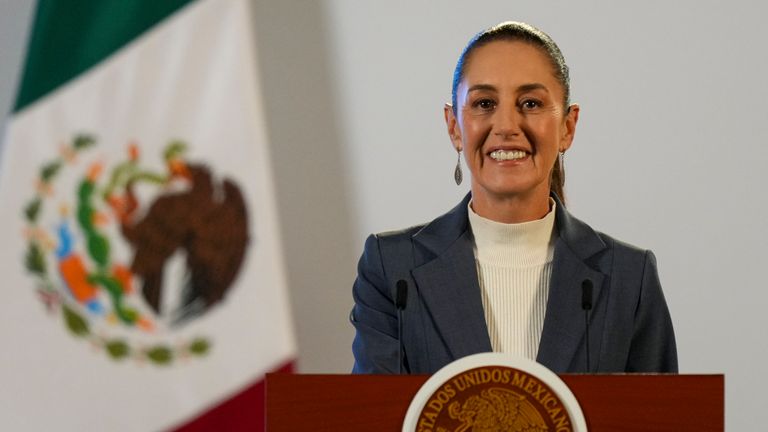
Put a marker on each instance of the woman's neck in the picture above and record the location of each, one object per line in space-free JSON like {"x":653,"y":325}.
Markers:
{"x":511,"y":208}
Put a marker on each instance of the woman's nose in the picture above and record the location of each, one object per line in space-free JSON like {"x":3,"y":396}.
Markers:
{"x":507,"y":121}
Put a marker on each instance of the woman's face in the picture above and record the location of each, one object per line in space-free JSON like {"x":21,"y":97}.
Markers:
{"x":510,"y":121}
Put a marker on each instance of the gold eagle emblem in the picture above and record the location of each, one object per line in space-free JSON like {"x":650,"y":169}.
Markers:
{"x":496,"y":409}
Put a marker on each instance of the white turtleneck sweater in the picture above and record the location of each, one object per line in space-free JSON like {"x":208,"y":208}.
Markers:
{"x":514,"y":265}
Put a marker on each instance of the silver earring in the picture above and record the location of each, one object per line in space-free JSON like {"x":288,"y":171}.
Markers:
{"x":562,"y":168}
{"x":457,"y":174}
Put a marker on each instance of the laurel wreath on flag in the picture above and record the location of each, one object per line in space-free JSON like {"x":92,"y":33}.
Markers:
{"x":56,"y":297}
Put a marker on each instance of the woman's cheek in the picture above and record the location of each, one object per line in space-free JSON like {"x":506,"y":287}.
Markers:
{"x":478,"y":133}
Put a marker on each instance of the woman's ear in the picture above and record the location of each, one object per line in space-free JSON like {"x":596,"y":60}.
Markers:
{"x":571,"y":118}
{"x":452,"y":124}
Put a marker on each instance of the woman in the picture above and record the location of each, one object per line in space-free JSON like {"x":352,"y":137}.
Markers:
{"x":509,"y":269}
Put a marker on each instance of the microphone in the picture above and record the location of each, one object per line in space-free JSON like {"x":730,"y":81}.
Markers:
{"x":401,"y":295}
{"x":586,"y":304}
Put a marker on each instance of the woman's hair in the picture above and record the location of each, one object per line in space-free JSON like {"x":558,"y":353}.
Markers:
{"x":521,"y":32}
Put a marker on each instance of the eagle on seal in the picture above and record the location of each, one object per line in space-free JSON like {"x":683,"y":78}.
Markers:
{"x":497,"y":409}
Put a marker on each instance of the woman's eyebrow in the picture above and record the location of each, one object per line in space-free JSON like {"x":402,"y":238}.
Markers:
{"x":532,"y":86}
{"x":478,"y":87}
{"x":521,"y":89}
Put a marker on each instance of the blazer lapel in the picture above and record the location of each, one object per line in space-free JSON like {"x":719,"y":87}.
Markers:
{"x":451,"y":292}
{"x":564,"y":321}
{"x":448,"y":283}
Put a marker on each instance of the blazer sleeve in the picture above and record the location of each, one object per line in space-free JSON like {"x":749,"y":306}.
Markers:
{"x":374,"y":316}
{"x":653,"y":347}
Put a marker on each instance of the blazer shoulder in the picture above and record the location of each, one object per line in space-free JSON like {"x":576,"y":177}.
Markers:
{"x":395,"y":247}
{"x":400,"y":234}
{"x":396,"y":239}
{"x":627,"y":263}
{"x":623,"y":249}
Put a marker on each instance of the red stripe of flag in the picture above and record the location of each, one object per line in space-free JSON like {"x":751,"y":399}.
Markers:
{"x":242,"y":412}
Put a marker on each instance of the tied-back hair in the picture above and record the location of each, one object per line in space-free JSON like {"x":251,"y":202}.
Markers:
{"x":517,"y":31}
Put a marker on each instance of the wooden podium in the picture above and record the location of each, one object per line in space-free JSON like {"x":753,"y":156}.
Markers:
{"x":615,"y":403}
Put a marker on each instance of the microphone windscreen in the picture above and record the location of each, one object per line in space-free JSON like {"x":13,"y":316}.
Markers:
{"x":586,"y":294}
{"x":401,"y":294}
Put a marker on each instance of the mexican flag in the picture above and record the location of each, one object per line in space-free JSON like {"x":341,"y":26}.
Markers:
{"x":143,"y":283}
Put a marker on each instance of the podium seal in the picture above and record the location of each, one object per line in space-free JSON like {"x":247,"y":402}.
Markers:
{"x":494,"y":392}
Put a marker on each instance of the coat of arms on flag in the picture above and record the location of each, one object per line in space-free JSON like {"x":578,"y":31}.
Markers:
{"x":178,"y":211}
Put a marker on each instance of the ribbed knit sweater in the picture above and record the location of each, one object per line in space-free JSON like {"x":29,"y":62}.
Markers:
{"x":514,"y":265}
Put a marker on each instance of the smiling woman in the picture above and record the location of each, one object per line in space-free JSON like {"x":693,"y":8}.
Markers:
{"x":510,"y":269}
{"x":511,"y":120}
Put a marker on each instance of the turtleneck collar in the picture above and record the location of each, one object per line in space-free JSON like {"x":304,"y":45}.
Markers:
{"x":513,"y":245}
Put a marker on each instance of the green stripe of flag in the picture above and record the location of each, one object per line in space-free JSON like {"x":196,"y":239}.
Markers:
{"x":70,"y":36}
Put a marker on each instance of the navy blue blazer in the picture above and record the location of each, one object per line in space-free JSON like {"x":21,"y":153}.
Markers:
{"x":630,"y":329}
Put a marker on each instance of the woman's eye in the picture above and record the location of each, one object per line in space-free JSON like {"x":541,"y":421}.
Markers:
{"x":530,"y":104}
{"x":485,"y":104}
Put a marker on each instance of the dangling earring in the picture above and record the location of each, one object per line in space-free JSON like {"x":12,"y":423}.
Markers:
{"x":457,"y":174}
{"x":562,"y":168}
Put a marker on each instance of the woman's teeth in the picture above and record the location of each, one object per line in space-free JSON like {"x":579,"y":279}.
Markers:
{"x":502,"y":155}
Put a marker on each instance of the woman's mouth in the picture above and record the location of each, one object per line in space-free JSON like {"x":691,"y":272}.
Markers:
{"x":505,"y":155}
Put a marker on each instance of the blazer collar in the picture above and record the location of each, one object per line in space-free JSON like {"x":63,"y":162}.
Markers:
{"x":577,"y":235}
{"x":447,"y":279}
{"x":439,"y":234}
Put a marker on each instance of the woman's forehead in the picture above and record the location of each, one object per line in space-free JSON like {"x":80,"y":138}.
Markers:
{"x":509,"y":62}
{"x":508,"y":57}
